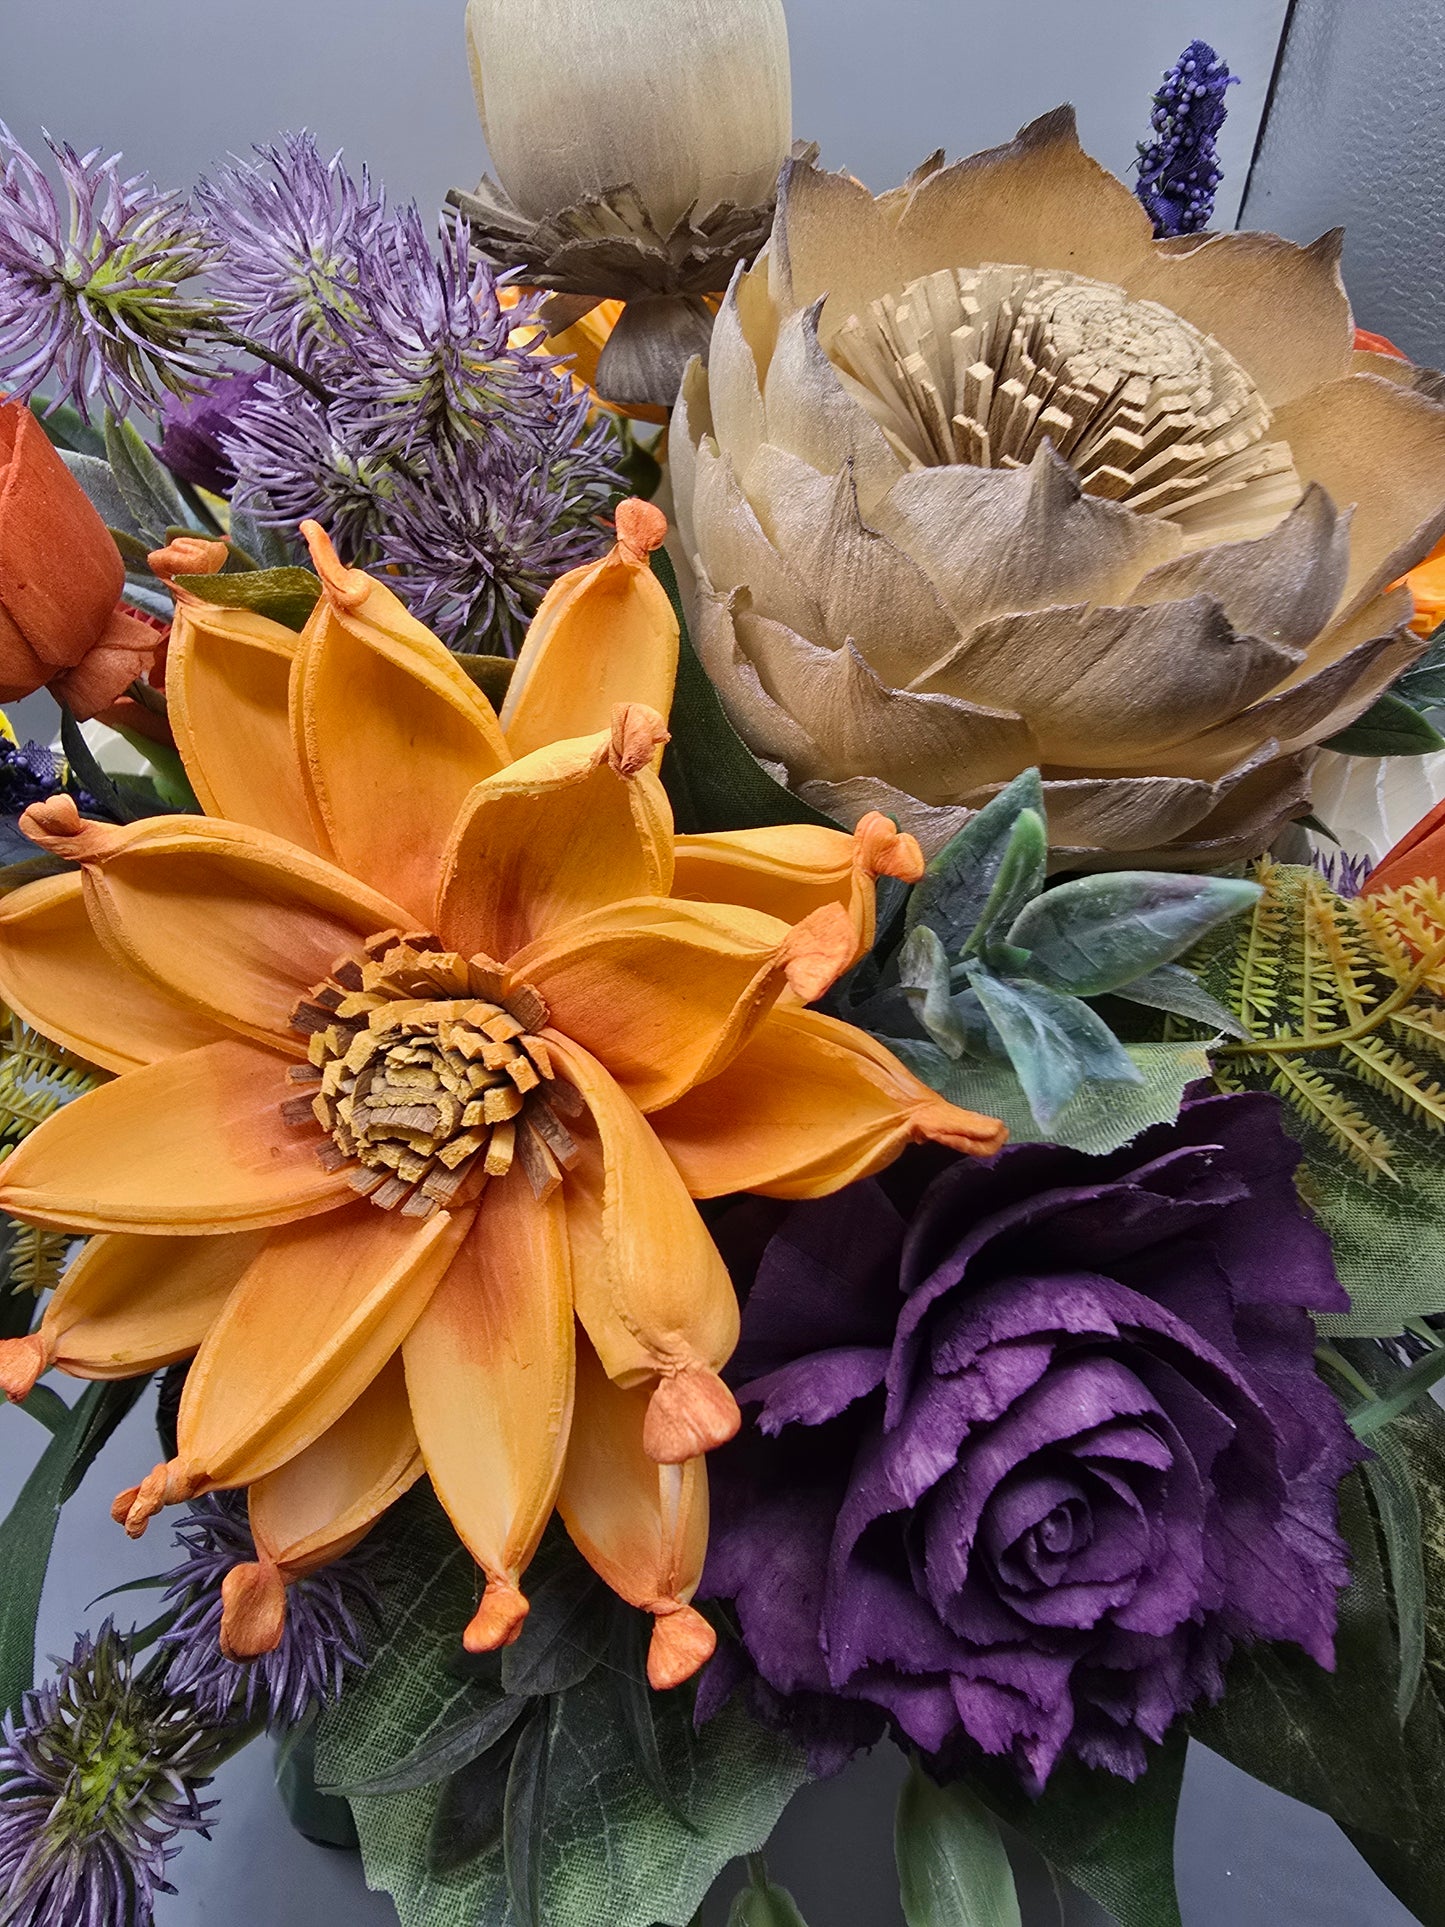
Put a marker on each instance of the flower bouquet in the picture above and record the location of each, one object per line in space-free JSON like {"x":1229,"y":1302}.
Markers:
{"x":728,"y":986}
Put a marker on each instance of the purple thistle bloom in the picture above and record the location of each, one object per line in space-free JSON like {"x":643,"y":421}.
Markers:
{"x":97,"y":1778}
{"x":322,"y":1639}
{"x":1039,"y":1440}
{"x":1179,"y":170}
{"x":92,"y":302}
{"x":296,"y":457}
{"x":1345,"y":874}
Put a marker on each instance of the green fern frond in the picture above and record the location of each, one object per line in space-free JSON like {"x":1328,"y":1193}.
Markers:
{"x":1389,"y":1071}
{"x":1342,"y":989}
{"x":36,"y":1078}
{"x":1310,"y":1092}
{"x":1421,"y":1025}
{"x":1254,"y":987}
{"x":37,"y":1257}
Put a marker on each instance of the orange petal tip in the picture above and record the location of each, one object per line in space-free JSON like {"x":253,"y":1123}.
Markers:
{"x":883,"y":851}
{"x":189,"y":555}
{"x":641,"y":528}
{"x":253,"y":1611}
{"x":22,"y":1360}
{"x":637,"y":733}
{"x":817,"y":951}
{"x":498,"y":1620}
{"x":690,"y":1413}
{"x":56,"y":825}
{"x":346,"y":588}
{"x":967,"y":1131}
{"x":169,"y":1484}
{"x":682,"y":1642}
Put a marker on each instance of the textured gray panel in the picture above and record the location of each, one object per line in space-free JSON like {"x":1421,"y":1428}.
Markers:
{"x":1354,"y":138}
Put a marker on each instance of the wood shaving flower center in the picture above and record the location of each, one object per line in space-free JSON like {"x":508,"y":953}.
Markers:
{"x":982,"y":365}
{"x":426,"y":1070}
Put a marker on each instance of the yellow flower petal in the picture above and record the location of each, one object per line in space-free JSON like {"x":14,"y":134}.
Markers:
{"x":810,"y":1105}
{"x":194,"y":1143}
{"x":556,"y":834}
{"x":391,"y":731}
{"x":228,"y":672}
{"x":489,"y":1371}
{"x":58,"y":976}
{"x":642,"y":1527}
{"x":605,"y":634}
{"x":651,"y":1291}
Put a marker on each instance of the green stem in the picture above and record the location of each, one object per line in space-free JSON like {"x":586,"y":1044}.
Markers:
{"x":1352,"y":1033}
{"x":282,"y":363}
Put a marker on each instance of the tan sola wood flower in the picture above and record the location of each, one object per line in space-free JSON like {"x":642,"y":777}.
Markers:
{"x":981,"y":476}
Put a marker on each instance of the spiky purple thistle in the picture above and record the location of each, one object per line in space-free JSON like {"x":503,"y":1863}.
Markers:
{"x":1179,"y":170}
{"x":323,"y":1636}
{"x":1345,"y":874}
{"x":98,"y":1778}
{"x":94,"y":299}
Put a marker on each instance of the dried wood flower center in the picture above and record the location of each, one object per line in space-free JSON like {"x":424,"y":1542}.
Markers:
{"x":427,"y":1072}
{"x":982,"y":365}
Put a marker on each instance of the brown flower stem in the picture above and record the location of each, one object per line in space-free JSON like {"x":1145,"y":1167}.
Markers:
{"x":282,"y":363}
{"x":1352,"y":1033}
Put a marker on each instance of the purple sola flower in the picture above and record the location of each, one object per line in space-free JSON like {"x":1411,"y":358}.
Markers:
{"x":1038,"y":1440}
{"x":321,"y":1639}
{"x":1179,"y":166}
{"x":190,"y":444}
{"x":98,"y":1777}
{"x":93,"y":300}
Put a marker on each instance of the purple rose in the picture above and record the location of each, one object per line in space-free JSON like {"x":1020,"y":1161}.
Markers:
{"x":190,"y":444}
{"x":1038,"y":1441}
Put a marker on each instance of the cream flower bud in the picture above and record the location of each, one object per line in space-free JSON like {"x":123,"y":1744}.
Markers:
{"x":688,"y":100}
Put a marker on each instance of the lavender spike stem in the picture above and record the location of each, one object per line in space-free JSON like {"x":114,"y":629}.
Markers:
{"x":1179,"y":172}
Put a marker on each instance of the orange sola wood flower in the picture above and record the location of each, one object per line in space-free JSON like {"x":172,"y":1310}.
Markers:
{"x":427,"y":1035}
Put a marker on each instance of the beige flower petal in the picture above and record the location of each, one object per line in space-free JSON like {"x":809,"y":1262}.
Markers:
{"x":735,"y":552}
{"x":1105,"y":687}
{"x":1284,"y":586}
{"x":734,"y":387}
{"x":1382,"y":448}
{"x":1280,"y":309}
{"x":1379,"y":615}
{"x":831,"y":238}
{"x":691,"y":425}
{"x":810,"y":414}
{"x":865,"y":586}
{"x":1040,"y":200}
{"x":995,"y":540}
{"x":766,"y":727}
{"x":849,"y":802}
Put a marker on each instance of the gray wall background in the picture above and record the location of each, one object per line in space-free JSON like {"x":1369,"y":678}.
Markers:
{"x":1354,"y":137}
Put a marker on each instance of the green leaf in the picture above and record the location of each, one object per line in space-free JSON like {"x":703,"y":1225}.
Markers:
{"x":286,"y":596}
{"x":1099,"y":1119}
{"x":150,"y":491}
{"x":492,"y":675}
{"x":565,"y":1632}
{"x":713,"y":779}
{"x":1113,"y":1838}
{"x":67,"y":428}
{"x":1423,"y":686}
{"x":1173,"y":988}
{"x":103,"y":492}
{"x":168,"y":772}
{"x":441,"y":1751}
{"x":1055,"y":1043}
{"x":952,"y":1868}
{"x":1390,"y":727}
{"x":612,"y":1850}
{"x":126,"y":799}
{"x":472,"y":1808}
{"x":1018,"y":882}
{"x":317,"y":1816}
{"x":953,"y":891}
{"x":1099,"y":932}
{"x":924,"y":977}
{"x":761,"y":1904}
{"x":48,"y":1407}
{"x":28,"y":1532}
{"x":524,"y":1813}
{"x":1403,"y":1393}
{"x":261,"y":545}
{"x":1393,"y":1491}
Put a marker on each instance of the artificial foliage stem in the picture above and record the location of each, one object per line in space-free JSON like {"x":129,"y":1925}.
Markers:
{"x":1329,"y":1040}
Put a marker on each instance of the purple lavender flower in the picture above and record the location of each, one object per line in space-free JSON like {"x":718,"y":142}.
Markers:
{"x":98,"y":1777}
{"x":1039,"y":1440}
{"x":323,"y":1637}
{"x":92,"y":302}
{"x":29,"y":773}
{"x":1345,"y":874}
{"x":1179,"y":168}
{"x":190,"y":444}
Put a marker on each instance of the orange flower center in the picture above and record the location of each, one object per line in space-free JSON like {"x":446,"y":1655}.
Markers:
{"x":426,"y":1072}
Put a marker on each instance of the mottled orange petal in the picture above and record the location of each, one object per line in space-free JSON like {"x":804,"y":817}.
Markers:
{"x":489,"y":1371}
{"x":228,"y":672}
{"x":810,"y":1105}
{"x":605,"y":634}
{"x":194,"y":1143}
{"x":642,"y":1527}
{"x":556,"y":834}
{"x":392,"y":734}
{"x":58,"y":976}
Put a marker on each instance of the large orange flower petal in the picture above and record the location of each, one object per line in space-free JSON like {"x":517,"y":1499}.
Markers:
{"x":392,"y":733}
{"x":665,"y":993}
{"x":810,"y":1105}
{"x":316,"y":1507}
{"x":194,"y":1143}
{"x":233,"y":923}
{"x":129,"y":1305}
{"x":555,"y":834}
{"x":228,"y":672}
{"x":58,"y":976}
{"x":652,"y":1292}
{"x":489,"y":1370}
{"x":605,"y":634}
{"x":641,"y":1526}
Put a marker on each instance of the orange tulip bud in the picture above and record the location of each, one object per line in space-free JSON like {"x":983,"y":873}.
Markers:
{"x":1419,"y":855}
{"x":61,"y":578}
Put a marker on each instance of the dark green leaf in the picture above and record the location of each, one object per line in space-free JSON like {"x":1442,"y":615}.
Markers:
{"x":67,"y":428}
{"x":286,"y":596}
{"x":441,"y":1751}
{"x":1097,"y":933}
{"x":1018,"y":882}
{"x":28,"y":1532}
{"x":1423,"y":686}
{"x":257,"y":545}
{"x":1055,"y":1043}
{"x":1173,"y":988}
{"x":125,"y":799}
{"x":492,"y":675}
{"x":564,"y":1634}
{"x":156,"y":504}
{"x":713,"y":779}
{"x":952,"y":1868}
{"x":951,"y":895}
{"x":1398,"y":1509}
{"x":471,"y":1810}
{"x":524,"y":1814}
{"x":1390,"y":727}
{"x":48,"y":1407}
{"x":1402,"y":1393}
{"x":168,"y":772}
{"x":924,"y":977}
{"x":317,"y":1816}
{"x":761,"y":1904}
{"x":636,"y":1698}
{"x":1113,"y":1838}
